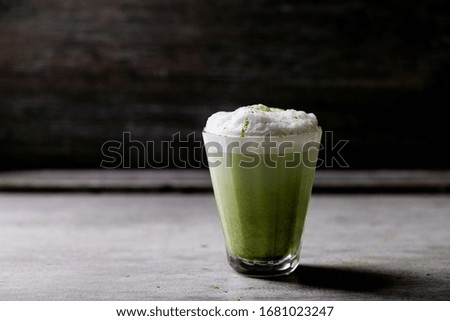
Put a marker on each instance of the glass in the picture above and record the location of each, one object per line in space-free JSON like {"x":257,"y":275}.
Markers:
{"x":262,"y":186}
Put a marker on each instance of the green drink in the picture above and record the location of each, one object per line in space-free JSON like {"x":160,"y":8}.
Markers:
{"x":262,"y":195}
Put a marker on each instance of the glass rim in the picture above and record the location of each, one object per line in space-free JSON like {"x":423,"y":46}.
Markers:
{"x":318,"y":131}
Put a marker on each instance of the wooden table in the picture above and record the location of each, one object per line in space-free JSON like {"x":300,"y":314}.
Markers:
{"x":150,"y":246}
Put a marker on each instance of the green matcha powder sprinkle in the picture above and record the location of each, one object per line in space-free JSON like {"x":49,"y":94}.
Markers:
{"x":244,"y":128}
{"x":263,"y":108}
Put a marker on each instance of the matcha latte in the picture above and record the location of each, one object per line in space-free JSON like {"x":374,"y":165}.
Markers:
{"x":262,"y":164}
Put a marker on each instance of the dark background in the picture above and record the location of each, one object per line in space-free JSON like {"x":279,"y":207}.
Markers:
{"x":74,"y":74}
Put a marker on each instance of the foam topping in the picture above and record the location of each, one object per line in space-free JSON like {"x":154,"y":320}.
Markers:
{"x":259,"y":120}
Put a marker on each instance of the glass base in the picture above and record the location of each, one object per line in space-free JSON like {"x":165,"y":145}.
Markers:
{"x":255,"y":268}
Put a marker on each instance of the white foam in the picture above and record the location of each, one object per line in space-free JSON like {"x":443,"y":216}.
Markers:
{"x":258,"y":120}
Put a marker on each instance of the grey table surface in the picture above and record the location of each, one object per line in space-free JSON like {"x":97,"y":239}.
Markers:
{"x":194,"y":180}
{"x":82,"y":246}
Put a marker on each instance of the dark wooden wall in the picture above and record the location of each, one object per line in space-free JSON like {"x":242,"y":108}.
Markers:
{"x":75,"y":73}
